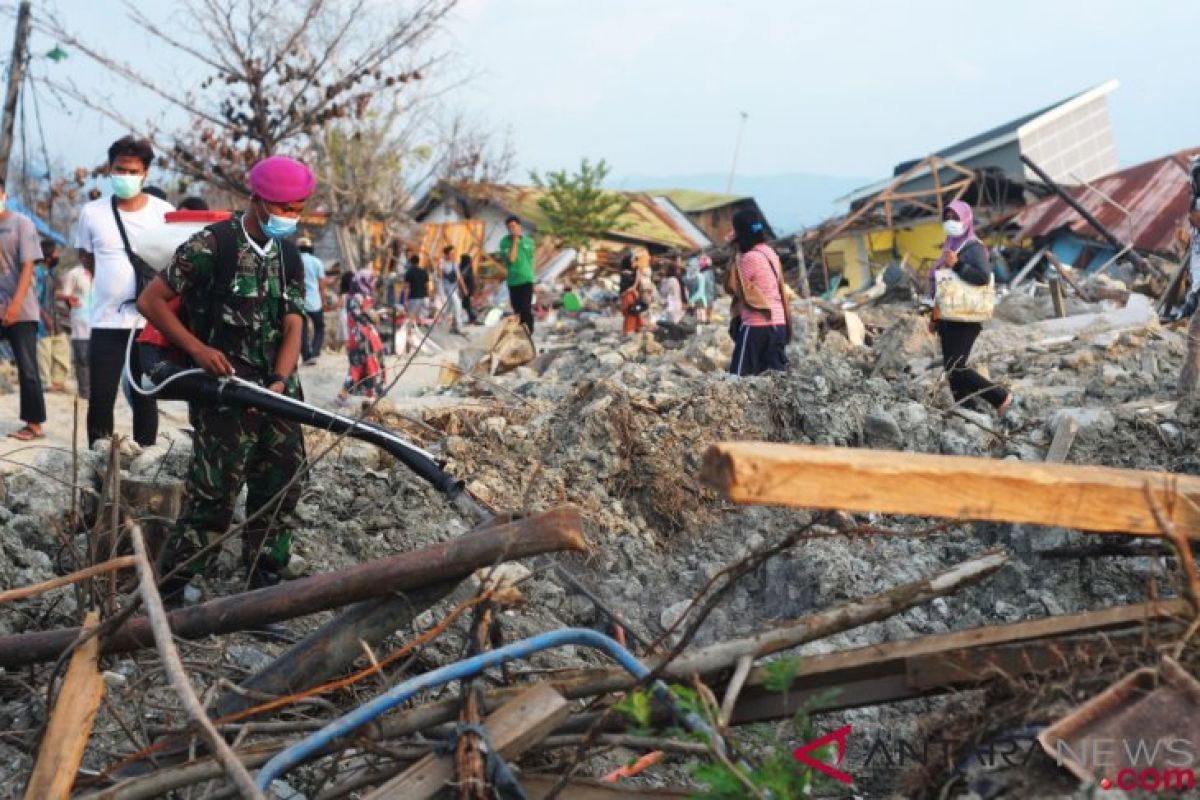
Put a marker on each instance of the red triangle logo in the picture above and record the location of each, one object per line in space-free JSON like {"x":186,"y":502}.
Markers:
{"x":801,"y":754}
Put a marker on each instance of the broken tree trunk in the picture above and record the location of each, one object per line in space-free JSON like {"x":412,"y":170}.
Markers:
{"x":514,"y":728}
{"x":330,"y":650}
{"x":557,"y":529}
{"x":1087,"y":498}
{"x":70,"y":724}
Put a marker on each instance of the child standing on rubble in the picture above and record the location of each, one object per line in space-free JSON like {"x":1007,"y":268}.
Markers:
{"x":761,"y":325}
{"x":966,"y":255}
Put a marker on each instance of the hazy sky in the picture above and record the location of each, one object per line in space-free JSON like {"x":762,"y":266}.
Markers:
{"x":839,"y":88}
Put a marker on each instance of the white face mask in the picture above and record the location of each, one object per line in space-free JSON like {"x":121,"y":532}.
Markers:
{"x":953,"y":227}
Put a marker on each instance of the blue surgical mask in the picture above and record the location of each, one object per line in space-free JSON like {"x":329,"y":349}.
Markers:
{"x":278,"y":227}
{"x":126,"y":186}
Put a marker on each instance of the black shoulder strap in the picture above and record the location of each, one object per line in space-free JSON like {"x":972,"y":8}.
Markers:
{"x":293,"y":265}
{"x":121,"y":228}
{"x":225,"y":234}
{"x":208,"y":327}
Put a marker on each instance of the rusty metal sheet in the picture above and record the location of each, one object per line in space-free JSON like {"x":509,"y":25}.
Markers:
{"x":1156,"y":194}
{"x":1133,"y":724}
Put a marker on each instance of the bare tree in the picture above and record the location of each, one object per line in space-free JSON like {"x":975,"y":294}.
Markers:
{"x":275,"y":75}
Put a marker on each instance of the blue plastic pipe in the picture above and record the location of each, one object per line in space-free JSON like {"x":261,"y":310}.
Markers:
{"x":468,"y":668}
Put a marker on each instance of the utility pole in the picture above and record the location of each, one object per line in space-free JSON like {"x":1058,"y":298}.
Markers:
{"x":16,"y":74}
{"x":737,"y":147}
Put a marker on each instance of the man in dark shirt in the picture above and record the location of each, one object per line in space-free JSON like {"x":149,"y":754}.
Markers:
{"x":417,"y":280}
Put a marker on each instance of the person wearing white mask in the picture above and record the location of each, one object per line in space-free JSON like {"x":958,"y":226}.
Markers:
{"x":106,"y":239}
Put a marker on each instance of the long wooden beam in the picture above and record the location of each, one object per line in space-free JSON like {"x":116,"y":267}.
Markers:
{"x":1087,"y":498}
{"x":554,"y":530}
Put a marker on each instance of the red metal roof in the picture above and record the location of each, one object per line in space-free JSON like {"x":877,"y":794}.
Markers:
{"x":1156,"y":194}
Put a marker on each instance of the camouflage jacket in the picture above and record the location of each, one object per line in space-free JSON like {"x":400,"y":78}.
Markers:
{"x":247,"y":317}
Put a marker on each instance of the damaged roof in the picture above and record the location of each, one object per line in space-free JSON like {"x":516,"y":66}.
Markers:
{"x":1155,"y":194}
{"x":692,"y":201}
{"x":644,"y":222}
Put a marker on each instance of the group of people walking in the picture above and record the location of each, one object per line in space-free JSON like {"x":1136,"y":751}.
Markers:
{"x":239,"y":298}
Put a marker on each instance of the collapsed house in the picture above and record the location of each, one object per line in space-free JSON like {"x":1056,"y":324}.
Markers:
{"x":652,"y":222}
{"x":899,"y":218}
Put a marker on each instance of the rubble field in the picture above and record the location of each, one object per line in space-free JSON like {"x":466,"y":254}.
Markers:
{"x":618,"y":427}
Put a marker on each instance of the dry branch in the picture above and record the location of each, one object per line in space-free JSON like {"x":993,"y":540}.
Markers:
{"x":169,"y":656}
{"x":121,"y":562}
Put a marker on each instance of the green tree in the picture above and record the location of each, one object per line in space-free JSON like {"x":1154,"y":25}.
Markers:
{"x":578,"y":208}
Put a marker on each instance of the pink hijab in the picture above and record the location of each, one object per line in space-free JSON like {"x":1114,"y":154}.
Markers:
{"x":967,"y":218}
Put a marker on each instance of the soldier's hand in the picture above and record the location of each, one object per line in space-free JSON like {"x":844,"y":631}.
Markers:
{"x":212,"y":361}
{"x":277,"y":387}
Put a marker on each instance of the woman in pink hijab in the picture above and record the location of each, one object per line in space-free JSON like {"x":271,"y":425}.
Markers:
{"x":963,"y":253}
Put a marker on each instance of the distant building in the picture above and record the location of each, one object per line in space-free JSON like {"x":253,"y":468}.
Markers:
{"x":1071,"y":140}
{"x":651,"y":222}
{"x":711,"y":212}
{"x":900,"y":217}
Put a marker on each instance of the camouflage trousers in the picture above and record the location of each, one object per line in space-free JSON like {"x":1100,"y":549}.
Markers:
{"x":232,"y":447}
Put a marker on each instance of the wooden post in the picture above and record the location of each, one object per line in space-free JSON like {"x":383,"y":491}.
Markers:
{"x":16,"y":76}
{"x":514,"y":728}
{"x":1056,"y":298}
{"x":71,"y":722}
{"x":1087,"y":498}
{"x":1064,"y":437}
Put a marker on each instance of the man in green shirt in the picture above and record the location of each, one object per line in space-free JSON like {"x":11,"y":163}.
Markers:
{"x":516,"y":256}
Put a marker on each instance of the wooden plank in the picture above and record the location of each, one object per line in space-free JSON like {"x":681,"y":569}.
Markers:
{"x":538,"y":787}
{"x":514,"y":727}
{"x":71,"y":722}
{"x":1025,"y":270}
{"x":1088,"y":498}
{"x":1064,"y":436}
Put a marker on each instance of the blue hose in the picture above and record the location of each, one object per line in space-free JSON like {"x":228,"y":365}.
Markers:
{"x":469,"y":668}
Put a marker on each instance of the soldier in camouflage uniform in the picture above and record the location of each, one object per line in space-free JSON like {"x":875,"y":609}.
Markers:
{"x":251,"y":327}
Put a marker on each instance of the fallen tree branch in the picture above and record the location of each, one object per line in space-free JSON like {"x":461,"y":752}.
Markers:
{"x":121,"y":562}
{"x":157,"y":616}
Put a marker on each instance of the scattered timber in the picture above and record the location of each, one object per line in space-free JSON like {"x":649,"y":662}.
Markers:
{"x":1099,"y":499}
{"x":554,"y":530}
{"x":514,"y":728}
{"x":70,"y":723}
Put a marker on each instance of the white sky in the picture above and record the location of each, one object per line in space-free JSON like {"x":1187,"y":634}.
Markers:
{"x":844,"y":87}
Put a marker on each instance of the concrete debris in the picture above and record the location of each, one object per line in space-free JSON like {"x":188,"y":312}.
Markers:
{"x":617,"y":426}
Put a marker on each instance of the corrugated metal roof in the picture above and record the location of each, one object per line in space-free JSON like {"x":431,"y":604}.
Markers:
{"x":1155,"y":193}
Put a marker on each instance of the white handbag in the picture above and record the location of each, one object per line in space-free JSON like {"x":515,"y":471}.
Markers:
{"x":959,"y":301}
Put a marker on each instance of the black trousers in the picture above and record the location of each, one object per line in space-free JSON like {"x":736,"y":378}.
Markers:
{"x":468,"y":306}
{"x":313,"y":343}
{"x":23,"y":338}
{"x":521,"y":298}
{"x":759,"y":348}
{"x":957,"y":339}
{"x":106,"y":355}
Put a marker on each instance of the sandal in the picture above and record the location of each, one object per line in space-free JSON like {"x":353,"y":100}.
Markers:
{"x":26,"y":434}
